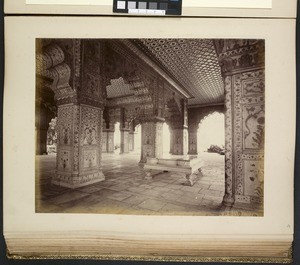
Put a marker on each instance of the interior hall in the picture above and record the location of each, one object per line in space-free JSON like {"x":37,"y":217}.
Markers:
{"x":150,"y":126}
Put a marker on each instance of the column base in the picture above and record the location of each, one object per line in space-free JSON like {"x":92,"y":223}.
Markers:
{"x":228,"y":200}
{"x":74,"y":181}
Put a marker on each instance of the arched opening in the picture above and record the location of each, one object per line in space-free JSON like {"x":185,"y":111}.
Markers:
{"x":211,"y":133}
{"x":166,"y":139}
{"x":211,"y":150}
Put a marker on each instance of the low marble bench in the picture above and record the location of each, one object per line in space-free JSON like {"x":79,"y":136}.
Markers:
{"x":188,"y":165}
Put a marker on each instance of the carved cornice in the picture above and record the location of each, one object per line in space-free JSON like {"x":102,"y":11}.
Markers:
{"x":123,"y":101}
{"x":239,"y":55}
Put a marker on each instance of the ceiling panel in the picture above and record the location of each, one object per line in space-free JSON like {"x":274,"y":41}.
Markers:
{"x":193,"y":63}
{"x":118,"y":88}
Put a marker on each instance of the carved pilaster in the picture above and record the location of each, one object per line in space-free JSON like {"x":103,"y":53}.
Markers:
{"x":242,"y":64}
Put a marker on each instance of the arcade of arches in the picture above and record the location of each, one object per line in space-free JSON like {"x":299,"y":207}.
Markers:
{"x":138,"y":91}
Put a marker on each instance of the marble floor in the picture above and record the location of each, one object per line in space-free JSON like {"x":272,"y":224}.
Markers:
{"x":126,"y":191}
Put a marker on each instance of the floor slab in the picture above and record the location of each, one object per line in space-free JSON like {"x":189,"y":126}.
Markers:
{"x":125,"y":189}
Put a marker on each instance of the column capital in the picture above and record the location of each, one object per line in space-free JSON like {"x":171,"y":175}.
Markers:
{"x":80,"y":99}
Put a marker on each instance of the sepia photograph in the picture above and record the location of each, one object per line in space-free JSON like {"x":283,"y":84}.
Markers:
{"x":150,"y":126}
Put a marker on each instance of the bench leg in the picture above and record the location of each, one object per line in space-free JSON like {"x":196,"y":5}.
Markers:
{"x":191,"y":179}
{"x":148,"y":175}
{"x":200,"y":172}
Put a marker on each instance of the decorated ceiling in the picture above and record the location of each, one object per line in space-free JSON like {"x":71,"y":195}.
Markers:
{"x":191,"y":63}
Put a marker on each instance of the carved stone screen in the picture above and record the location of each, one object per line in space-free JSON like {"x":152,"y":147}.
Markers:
{"x":85,"y":87}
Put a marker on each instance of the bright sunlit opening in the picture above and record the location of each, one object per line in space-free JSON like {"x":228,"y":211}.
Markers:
{"x":211,"y":131}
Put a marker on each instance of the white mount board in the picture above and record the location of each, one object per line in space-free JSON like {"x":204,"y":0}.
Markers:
{"x":206,"y":8}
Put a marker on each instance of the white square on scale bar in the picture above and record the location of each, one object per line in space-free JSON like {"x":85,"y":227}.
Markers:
{"x":121,"y":4}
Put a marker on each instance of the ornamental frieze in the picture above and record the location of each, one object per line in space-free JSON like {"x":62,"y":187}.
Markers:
{"x":236,"y":54}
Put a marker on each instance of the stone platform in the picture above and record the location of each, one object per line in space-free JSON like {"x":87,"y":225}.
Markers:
{"x":188,"y":165}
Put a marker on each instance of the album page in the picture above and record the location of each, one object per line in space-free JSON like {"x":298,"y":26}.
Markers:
{"x":78,"y":88}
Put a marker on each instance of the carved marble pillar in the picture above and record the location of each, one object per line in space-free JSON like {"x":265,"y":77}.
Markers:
{"x":79,"y":145}
{"x":193,"y":143}
{"x":179,"y":141}
{"x":79,"y":94}
{"x":110,"y":141}
{"x":242,"y":65}
{"x":131,"y":141}
{"x":178,"y":129}
{"x":152,"y":140}
{"x":124,"y":147}
{"x":104,"y":141}
{"x":171,"y":141}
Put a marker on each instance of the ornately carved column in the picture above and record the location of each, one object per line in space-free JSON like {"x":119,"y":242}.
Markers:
{"x":131,"y":141}
{"x":79,"y":99}
{"x":79,"y":145}
{"x":242,"y":65}
{"x":179,"y":141}
{"x":124,"y":131}
{"x":171,"y":140}
{"x":104,"y":140}
{"x":152,"y":139}
{"x":110,"y":141}
{"x":131,"y":137}
{"x":193,"y":143}
{"x":124,"y":147}
{"x":179,"y":132}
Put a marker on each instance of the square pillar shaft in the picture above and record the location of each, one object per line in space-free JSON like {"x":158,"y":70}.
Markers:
{"x":110,"y":142}
{"x":79,"y":146}
{"x":104,"y":141}
{"x":171,"y":141}
{"x":152,"y":140}
{"x":131,"y":141}
{"x":180,"y":141}
{"x":193,"y":142}
{"x":124,"y":141}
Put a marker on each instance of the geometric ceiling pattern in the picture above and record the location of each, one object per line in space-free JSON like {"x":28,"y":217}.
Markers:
{"x":192,"y":63}
{"x":118,"y":88}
